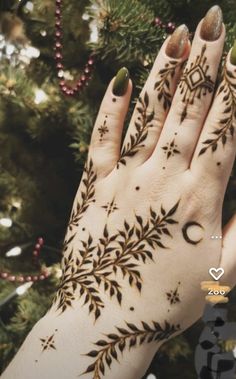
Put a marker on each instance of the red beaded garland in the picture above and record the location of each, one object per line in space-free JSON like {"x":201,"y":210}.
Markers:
{"x":86,"y":75}
{"x":28,"y":278}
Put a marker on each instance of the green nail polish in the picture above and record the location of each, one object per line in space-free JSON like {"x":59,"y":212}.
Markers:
{"x":233,"y":54}
{"x":121,"y":82}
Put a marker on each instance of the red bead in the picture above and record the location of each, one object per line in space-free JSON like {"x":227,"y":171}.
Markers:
{"x":35,"y":253}
{"x":58,"y":24}
{"x":58,"y":2}
{"x":58,"y":34}
{"x":40,"y":241}
{"x":79,"y":85}
{"x":37,"y":246}
{"x":28,"y":278}
{"x":58,"y":45}
{"x":83,"y":78}
{"x":42,"y":277}
{"x":35,"y":278}
{"x":64,"y":89}
{"x":90,"y":62}
{"x":20,"y":279}
{"x":12,"y":278}
{"x":4,"y":275}
{"x":60,"y":66}
{"x":58,"y":11}
{"x":62,"y":83}
{"x":87,"y":70}
{"x":58,"y":56}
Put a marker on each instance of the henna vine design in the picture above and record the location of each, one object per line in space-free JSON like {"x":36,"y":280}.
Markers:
{"x":142,"y":124}
{"x":107,"y":350}
{"x":48,"y":343}
{"x":162,"y":85}
{"x":170,"y":149}
{"x":97,"y":265}
{"x":173,"y":296}
{"x":87,"y":195}
{"x":227,"y":123}
{"x":110,"y":207}
{"x":103,"y":129}
{"x":195,"y":82}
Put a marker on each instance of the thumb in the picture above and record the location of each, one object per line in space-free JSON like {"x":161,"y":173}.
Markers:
{"x":228,"y":258}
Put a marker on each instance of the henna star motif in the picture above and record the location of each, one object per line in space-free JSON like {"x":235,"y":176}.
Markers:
{"x":195,"y":81}
{"x":173,"y":295}
{"x":48,"y":343}
{"x":103,"y":129}
{"x":112,"y":346}
{"x":110,"y":207}
{"x":170,"y":149}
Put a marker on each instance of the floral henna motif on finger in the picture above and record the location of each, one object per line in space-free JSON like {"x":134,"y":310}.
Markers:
{"x":162,"y":85}
{"x":195,"y":82}
{"x":87,"y":195}
{"x":142,"y":124}
{"x":226,"y":128}
{"x":110,"y":348}
{"x":97,"y":266}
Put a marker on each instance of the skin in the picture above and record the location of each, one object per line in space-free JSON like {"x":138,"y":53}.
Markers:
{"x":181,"y":188}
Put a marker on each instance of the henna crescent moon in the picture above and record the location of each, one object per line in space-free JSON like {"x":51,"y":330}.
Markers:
{"x":185,"y":232}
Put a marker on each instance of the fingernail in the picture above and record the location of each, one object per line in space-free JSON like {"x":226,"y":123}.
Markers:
{"x":212,"y":24}
{"x":233,"y":54}
{"x":178,"y":42}
{"x":121,"y":82}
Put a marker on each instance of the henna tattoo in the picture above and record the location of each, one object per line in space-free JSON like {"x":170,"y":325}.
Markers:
{"x":195,"y":82}
{"x":48,"y":343}
{"x":103,"y":129}
{"x":110,"y":207}
{"x":185,"y":232}
{"x":87,"y":195}
{"x":137,"y":188}
{"x":131,"y":336}
{"x":226,"y":127}
{"x":162,"y":85}
{"x":173,"y":295}
{"x":170,"y":149}
{"x":142,"y":124}
{"x":97,"y":265}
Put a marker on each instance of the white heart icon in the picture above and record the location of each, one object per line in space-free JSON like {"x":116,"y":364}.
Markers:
{"x":216,"y":273}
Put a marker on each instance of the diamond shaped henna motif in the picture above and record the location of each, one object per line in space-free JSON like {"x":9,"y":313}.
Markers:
{"x":195,"y":82}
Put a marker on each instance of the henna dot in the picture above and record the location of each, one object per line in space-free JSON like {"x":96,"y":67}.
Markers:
{"x":131,"y":308}
{"x":114,"y":100}
{"x":83,"y":229}
{"x":163,"y":168}
{"x":137,"y":188}
{"x":94,"y":200}
{"x":218,"y":163}
{"x":56,"y":330}
{"x":36,"y":360}
{"x":176,"y":134}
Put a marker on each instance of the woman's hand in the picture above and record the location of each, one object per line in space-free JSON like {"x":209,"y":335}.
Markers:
{"x":139,"y":240}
